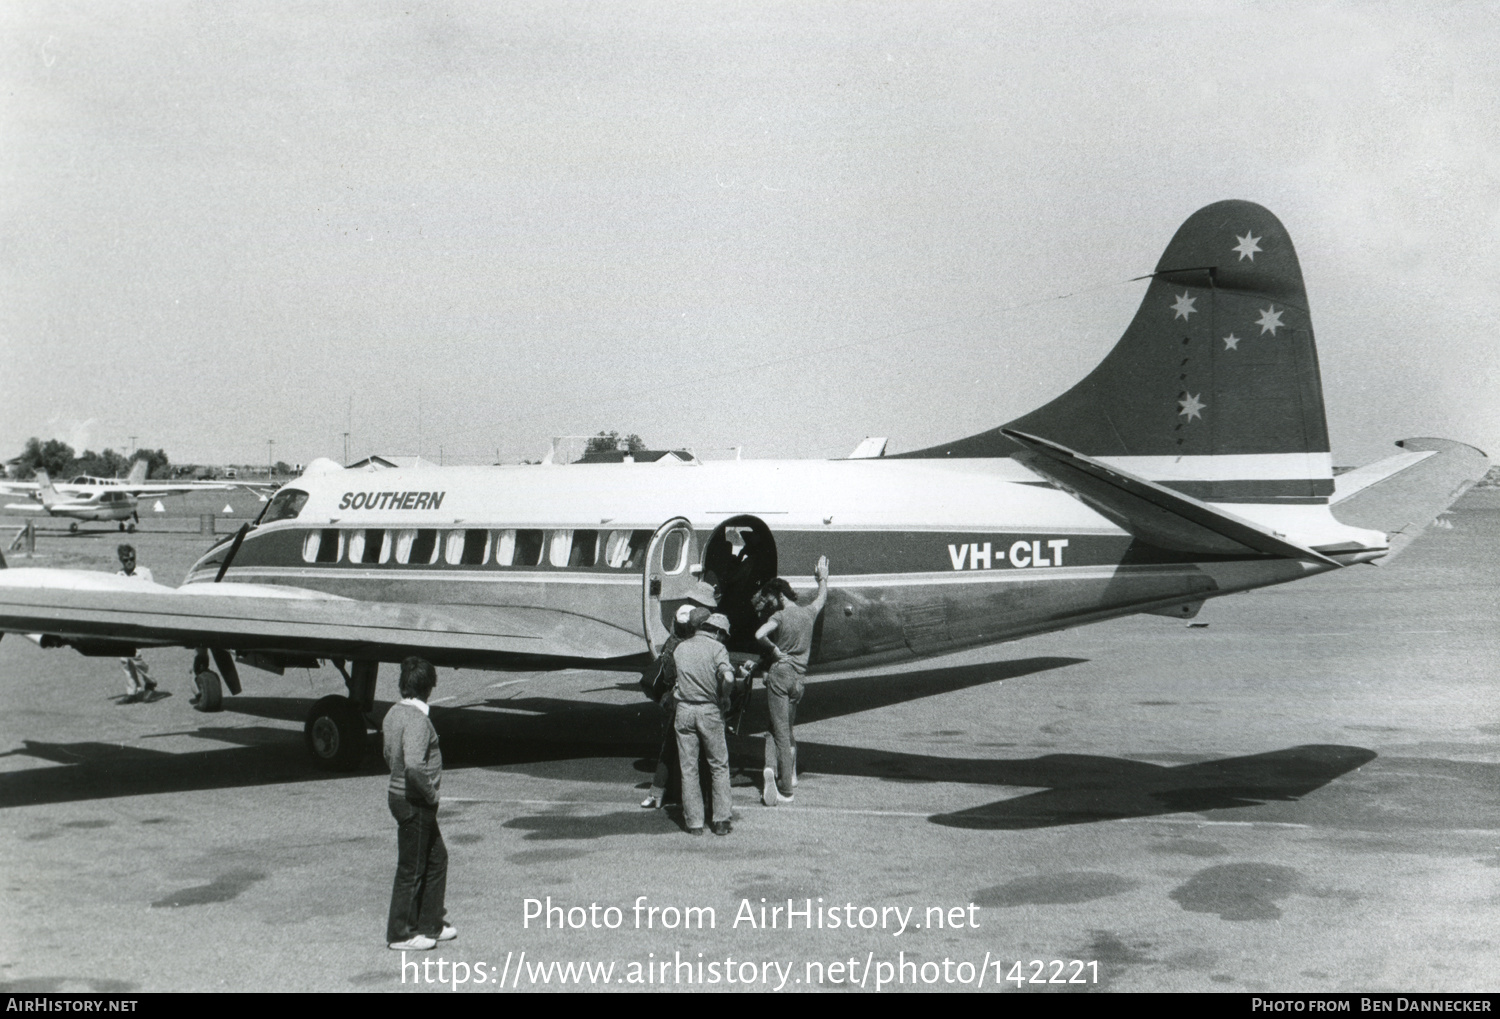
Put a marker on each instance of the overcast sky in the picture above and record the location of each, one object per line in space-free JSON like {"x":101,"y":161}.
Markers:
{"x":782,"y":226}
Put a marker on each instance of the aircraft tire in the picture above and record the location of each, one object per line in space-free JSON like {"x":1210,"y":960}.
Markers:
{"x":129,"y":527}
{"x":335,"y":734}
{"x":210,"y":691}
{"x":73,"y":527}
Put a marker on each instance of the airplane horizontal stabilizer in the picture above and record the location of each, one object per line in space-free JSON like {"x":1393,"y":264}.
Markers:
{"x":1403,"y":494}
{"x":1152,"y":512}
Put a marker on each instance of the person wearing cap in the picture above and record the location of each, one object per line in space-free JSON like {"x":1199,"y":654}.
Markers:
{"x":703,"y":674}
{"x":690,"y":615}
{"x":786,"y":636}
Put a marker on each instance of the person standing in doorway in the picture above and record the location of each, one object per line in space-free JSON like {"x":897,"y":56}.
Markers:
{"x":138,"y":682}
{"x":786,"y":636}
{"x":416,"y":921}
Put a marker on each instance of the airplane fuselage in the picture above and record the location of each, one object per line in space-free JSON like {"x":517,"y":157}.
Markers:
{"x":928,"y":556}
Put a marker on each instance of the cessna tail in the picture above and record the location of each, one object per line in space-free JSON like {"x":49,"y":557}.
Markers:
{"x":1193,"y":462}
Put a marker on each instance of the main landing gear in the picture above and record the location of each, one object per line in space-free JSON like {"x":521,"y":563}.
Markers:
{"x":209,"y":693}
{"x":336,"y":728}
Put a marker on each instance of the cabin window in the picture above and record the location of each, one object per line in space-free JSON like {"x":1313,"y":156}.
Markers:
{"x":528,"y":548}
{"x":559,"y":546}
{"x":329,"y":547}
{"x":310,"y":546}
{"x":674,"y":553}
{"x":369,"y":546}
{"x":617,"y":549}
{"x":424,"y":547}
{"x":476,"y":548}
{"x":467,"y":548}
{"x":285,"y":505}
{"x":505,"y":547}
{"x":585,"y":548}
{"x":626,"y":549}
{"x":418,"y":547}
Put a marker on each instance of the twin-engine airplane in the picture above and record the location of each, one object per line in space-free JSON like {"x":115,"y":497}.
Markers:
{"x":1193,"y":462}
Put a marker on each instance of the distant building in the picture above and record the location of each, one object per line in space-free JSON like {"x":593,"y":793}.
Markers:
{"x":380,"y":463}
{"x":640,"y":456}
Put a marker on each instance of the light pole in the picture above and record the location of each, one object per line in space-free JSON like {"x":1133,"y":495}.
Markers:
{"x":346,"y":449}
{"x":270,"y":459}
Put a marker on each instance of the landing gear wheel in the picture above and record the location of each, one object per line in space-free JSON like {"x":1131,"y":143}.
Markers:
{"x":210,"y":691}
{"x":122,"y":525}
{"x":73,"y":528}
{"x":129,"y":527}
{"x":335,"y":734}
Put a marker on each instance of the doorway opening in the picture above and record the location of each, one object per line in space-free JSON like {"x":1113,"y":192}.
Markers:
{"x":739,"y":557}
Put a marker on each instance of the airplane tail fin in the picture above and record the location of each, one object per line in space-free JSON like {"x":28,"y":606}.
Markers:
{"x":45,"y":491}
{"x":1213,"y":390}
{"x":137,"y":472}
{"x":1404,"y":494}
{"x":1213,"y":393}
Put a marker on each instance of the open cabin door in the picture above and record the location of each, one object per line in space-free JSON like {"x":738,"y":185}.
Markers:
{"x":669,"y":577}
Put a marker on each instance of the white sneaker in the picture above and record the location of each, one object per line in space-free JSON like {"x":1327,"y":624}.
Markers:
{"x":650,"y":803}
{"x":449,"y":932}
{"x":415,"y":943}
{"x":768,"y":792}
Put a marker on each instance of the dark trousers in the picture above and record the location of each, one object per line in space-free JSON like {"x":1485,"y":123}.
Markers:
{"x":666,"y":757}
{"x":421,"y":872}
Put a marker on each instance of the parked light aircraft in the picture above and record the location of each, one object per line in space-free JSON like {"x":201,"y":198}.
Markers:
{"x":1192,"y":463}
{"x":97,"y":503}
{"x":134,"y":483}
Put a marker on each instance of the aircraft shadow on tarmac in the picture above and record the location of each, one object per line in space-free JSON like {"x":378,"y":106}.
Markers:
{"x":583,"y":741}
{"x":1081,"y":788}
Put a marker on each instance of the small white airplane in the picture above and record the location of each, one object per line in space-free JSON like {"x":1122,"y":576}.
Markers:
{"x":134,"y":483}
{"x":1192,"y":463}
{"x":95,"y":503}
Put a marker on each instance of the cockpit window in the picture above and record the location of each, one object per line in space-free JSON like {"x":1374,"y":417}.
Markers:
{"x":285,"y":505}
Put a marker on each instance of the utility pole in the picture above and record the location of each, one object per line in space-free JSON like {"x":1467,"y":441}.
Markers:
{"x":270,"y":459}
{"x":132,"y":444}
{"x":346,"y":449}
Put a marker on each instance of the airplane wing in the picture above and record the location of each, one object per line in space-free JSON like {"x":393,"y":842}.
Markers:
{"x":102,"y":614}
{"x":143,"y":491}
{"x":1403,"y":494}
{"x":25,"y":507}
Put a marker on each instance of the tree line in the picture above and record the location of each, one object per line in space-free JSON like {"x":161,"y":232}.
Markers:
{"x":60,"y":461}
